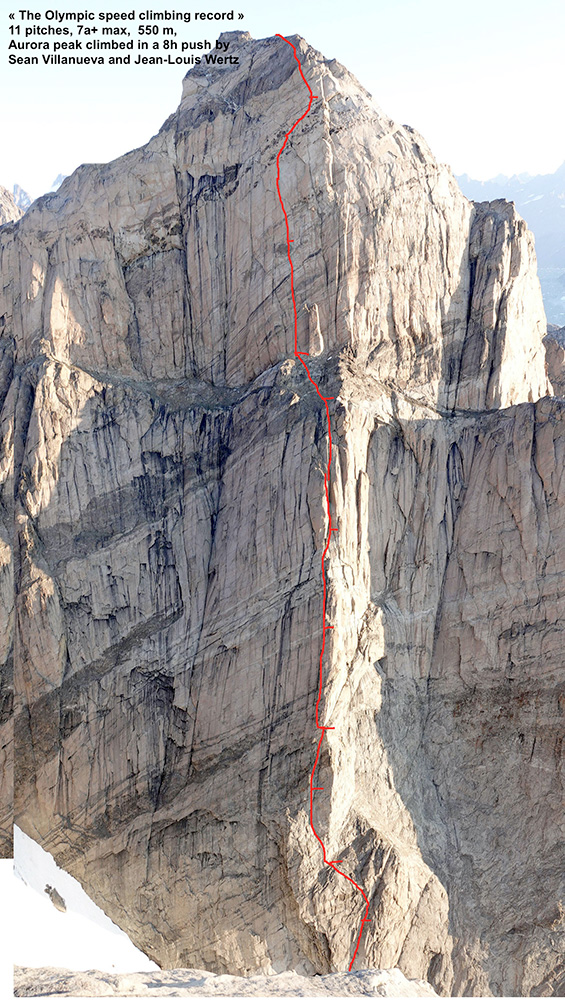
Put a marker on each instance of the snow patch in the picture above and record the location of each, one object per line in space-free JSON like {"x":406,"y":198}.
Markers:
{"x":82,"y":937}
{"x":54,"y":983}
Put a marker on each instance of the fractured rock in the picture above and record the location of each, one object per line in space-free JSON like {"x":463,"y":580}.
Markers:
{"x":166,"y":452}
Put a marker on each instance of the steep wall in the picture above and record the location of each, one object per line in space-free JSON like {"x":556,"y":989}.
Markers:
{"x":555,"y":356}
{"x":9,"y":211}
{"x":168,"y":453}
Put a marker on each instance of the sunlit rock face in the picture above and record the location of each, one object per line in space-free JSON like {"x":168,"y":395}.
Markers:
{"x":166,"y":452}
{"x":9,"y":211}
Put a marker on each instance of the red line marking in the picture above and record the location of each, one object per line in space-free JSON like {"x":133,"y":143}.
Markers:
{"x":300,"y":355}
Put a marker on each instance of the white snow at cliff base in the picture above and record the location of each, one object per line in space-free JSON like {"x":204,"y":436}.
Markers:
{"x":81,"y":938}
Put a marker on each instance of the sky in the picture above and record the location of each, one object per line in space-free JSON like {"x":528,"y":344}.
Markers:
{"x":482,"y":81}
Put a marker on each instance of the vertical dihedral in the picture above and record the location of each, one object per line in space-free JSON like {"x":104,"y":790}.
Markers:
{"x":325,"y":628}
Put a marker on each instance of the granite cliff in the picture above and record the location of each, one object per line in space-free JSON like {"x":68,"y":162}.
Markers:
{"x":163,"y":460}
{"x":9,"y":210}
{"x":539,"y":200}
{"x":555,"y":357}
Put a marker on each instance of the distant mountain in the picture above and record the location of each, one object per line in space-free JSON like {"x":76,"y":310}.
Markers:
{"x":540,"y":200}
{"x":57,"y":182}
{"x":9,"y":211}
{"x":21,"y":197}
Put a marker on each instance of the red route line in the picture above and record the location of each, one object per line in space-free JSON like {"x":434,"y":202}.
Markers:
{"x":301,"y":355}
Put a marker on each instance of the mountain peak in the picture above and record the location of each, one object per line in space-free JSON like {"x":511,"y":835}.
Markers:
{"x":261,"y":326}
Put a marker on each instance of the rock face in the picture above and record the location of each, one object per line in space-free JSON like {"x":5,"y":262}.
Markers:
{"x":168,"y":454}
{"x":539,"y":198}
{"x":56,"y":898}
{"x":555,"y":356}
{"x":539,"y":201}
{"x":9,"y":211}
